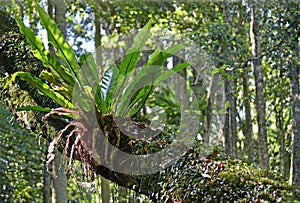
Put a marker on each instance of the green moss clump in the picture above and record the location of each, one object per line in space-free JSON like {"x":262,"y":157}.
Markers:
{"x":218,"y":179}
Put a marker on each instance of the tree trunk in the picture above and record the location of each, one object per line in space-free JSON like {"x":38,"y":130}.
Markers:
{"x":283,"y":131}
{"x":295,"y":160}
{"x":51,"y":14}
{"x":122,"y":194}
{"x":97,"y":40}
{"x":248,"y":133}
{"x":47,"y":184}
{"x":59,"y":188}
{"x":259,"y":90}
{"x":180,"y":86}
{"x":59,"y":178}
{"x":105,"y":190}
{"x":60,"y":16}
{"x":230,"y":132}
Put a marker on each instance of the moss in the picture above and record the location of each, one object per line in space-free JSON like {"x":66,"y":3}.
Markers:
{"x":15,"y":55}
{"x":194,"y":179}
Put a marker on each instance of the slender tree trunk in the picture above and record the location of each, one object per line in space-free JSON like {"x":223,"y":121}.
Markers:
{"x":208,"y":120}
{"x":60,"y":16}
{"x":59,"y":189}
{"x":230,"y":132}
{"x":181,"y":87}
{"x":105,"y":190}
{"x":97,"y":40}
{"x":283,"y":131}
{"x":295,"y":160}
{"x":259,"y":84}
{"x":59,"y":178}
{"x":227,"y":139}
{"x":46,"y":188}
{"x":47,"y":183}
{"x":51,"y":14}
{"x":248,"y":133}
{"x":122,"y":194}
{"x":282,"y":121}
{"x":48,"y":180}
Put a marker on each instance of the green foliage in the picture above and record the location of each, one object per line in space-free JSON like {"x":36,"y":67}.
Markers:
{"x":34,"y":108}
{"x":7,"y":24}
{"x":191,"y":179}
{"x":165,"y":99}
{"x":114,"y":80}
{"x":21,"y":161}
{"x":108,"y":85}
{"x":217,"y":179}
{"x":56,"y":38}
{"x":42,"y":87}
{"x":41,"y":53}
{"x":58,"y":72}
{"x":150,"y":76}
{"x":15,"y":56}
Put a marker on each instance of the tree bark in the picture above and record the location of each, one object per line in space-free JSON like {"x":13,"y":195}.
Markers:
{"x":97,"y":40}
{"x":105,"y":190}
{"x":59,"y":189}
{"x":248,"y":133}
{"x":47,"y":183}
{"x":295,"y":160}
{"x":259,"y":90}
{"x":59,"y":178}
{"x":122,"y":196}
{"x":283,"y":131}
{"x":181,"y":87}
{"x":230,"y":132}
{"x":60,"y":15}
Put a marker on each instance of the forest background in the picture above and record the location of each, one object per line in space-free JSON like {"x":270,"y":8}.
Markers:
{"x":247,"y":144}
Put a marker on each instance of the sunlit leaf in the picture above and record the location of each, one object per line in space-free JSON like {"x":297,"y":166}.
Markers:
{"x":42,"y":87}
{"x":34,"y":108}
{"x":55,"y":37}
{"x":44,"y":55}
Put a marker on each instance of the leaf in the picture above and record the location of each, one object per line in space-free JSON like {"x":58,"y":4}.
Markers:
{"x":46,"y":75}
{"x":88,"y":73}
{"x":57,"y":39}
{"x":227,"y":104}
{"x":88,"y":60}
{"x":42,"y":54}
{"x":108,"y":83}
{"x":137,"y":93}
{"x":156,"y":58}
{"x":42,"y":87}
{"x":144,"y":78}
{"x":34,"y":108}
{"x":140,"y":99}
{"x":139,"y":89}
{"x":168,"y":73}
{"x":87,"y":94}
{"x":172,"y":50}
{"x":133,"y":54}
{"x":222,"y":111}
{"x":99,"y":101}
{"x":217,"y":70}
